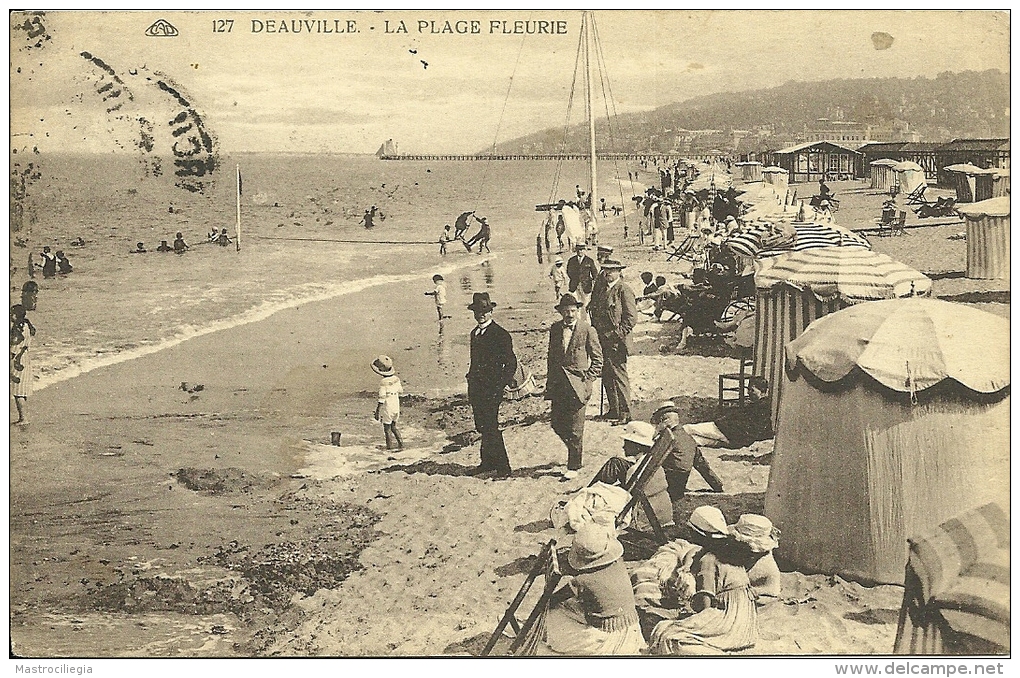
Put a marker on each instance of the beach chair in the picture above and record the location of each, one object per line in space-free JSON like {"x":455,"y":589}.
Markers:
{"x":736,"y":382}
{"x":530,"y":633}
{"x":684,"y":250}
{"x":639,"y":479}
{"x":898,"y":227}
{"x":956,"y":588}
{"x":916,"y":196}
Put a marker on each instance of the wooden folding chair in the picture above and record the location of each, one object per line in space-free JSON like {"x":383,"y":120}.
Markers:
{"x":637,"y":481}
{"x":683,"y":249}
{"x":527,"y":638}
{"x":898,"y":227}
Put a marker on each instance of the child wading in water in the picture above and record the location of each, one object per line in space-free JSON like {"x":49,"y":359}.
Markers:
{"x":439,"y":293}
{"x":387,"y":411}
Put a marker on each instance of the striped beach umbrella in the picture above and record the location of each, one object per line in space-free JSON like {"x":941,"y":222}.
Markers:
{"x":758,"y":241}
{"x":795,"y":289}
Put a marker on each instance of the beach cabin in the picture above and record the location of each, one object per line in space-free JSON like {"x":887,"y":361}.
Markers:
{"x":882,"y":176}
{"x":816,"y":160}
{"x":909,"y":177}
{"x":983,"y":153}
{"x":1000,"y":183}
{"x":749,"y":171}
{"x":894,"y":417}
{"x":973,"y":183}
{"x":777,"y":177}
{"x":793,"y":290}
{"x":987,"y":238}
{"x":924,"y":153}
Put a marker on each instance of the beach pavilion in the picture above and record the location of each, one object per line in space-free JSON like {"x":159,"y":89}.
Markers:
{"x":987,"y":238}
{"x":793,"y":290}
{"x":882,"y":175}
{"x":894,"y":418}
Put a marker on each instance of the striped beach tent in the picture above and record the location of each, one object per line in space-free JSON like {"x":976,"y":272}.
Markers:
{"x":796,"y":288}
{"x":882,"y":175}
{"x":894,"y":418}
{"x":756,"y":241}
{"x":956,"y":597}
{"x":1000,"y":183}
{"x":973,"y":183}
{"x":776,"y":176}
{"x":987,"y":238}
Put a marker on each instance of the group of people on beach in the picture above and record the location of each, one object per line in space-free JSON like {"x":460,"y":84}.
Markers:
{"x":53,"y":263}
{"x":461,"y":226}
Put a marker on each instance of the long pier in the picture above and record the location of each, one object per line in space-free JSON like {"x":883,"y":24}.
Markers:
{"x":651,"y":157}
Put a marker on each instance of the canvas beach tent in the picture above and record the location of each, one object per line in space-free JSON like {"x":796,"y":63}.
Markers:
{"x":973,"y":184}
{"x":987,"y":238}
{"x":1000,"y":183}
{"x":909,"y":176}
{"x":793,"y":290}
{"x":894,"y":417}
{"x":750,"y":171}
{"x":882,"y":175}
{"x":776,"y":176}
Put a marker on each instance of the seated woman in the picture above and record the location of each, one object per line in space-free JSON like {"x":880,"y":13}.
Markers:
{"x":754,"y":539}
{"x":600,"y":618}
{"x":738,"y":428}
{"x":638,"y":438}
{"x":725,"y":617}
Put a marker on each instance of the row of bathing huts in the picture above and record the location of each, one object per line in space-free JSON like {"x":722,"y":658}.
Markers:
{"x":977,"y":168}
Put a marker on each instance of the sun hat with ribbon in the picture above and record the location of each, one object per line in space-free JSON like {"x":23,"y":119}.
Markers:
{"x":595,"y":545}
{"x":664,"y":408}
{"x":756,"y":531}
{"x":383,"y":366}
{"x":639,"y":432}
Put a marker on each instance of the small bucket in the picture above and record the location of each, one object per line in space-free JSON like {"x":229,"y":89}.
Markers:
{"x":334,"y":438}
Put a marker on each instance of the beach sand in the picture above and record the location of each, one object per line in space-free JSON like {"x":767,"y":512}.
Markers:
{"x":147,"y":520}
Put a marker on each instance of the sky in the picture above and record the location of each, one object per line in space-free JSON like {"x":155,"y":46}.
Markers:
{"x":259,"y":89}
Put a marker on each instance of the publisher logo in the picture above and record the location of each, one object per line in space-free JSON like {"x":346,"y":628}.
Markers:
{"x":162,"y":29}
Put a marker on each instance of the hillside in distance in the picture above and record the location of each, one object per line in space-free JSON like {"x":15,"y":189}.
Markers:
{"x":966,"y":104}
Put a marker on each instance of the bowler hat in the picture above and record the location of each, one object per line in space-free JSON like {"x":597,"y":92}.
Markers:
{"x":383,"y":366}
{"x":595,"y":545}
{"x":568,"y":299}
{"x":480,"y":302}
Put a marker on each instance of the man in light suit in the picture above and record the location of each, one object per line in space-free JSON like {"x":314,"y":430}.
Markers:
{"x":613,"y":314}
{"x":493,"y":365}
{"x":575,"y":360}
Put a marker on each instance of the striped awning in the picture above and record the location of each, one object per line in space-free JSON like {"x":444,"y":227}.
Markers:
{"x":852,"y":273}
{"x":755,"y":241}
{"x":962,"y":572}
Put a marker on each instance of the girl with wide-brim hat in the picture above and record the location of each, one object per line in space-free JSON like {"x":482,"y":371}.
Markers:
{"x":601,"y":617}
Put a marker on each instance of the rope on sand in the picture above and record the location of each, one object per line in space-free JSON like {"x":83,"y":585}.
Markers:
{"x":357,"y":242}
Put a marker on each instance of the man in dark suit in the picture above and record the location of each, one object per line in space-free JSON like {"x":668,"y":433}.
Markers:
{"x":575,"y":360}
{"x":613,"y":314}
{"x":581,"y":272}
{"x":493,"y":365}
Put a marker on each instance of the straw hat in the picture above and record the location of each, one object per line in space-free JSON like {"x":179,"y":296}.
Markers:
{"x":568,"y":299}
{"x":664,"y":408}
{"x":594,"y":546}
{"x":559,"y":260}
{"x":708,"y":521}
{"x":383,"y":366}
{"x":639,"y":432}
{"x":613,"y":265}
{"x":756,"y":531}
{"x":480,"y":302}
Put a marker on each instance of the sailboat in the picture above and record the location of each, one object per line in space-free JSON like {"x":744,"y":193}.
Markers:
{"x":579,"y":212}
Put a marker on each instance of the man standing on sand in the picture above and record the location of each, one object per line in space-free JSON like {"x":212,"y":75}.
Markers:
{"x":581,"y":272}
{"x":492,"y":368}
{"x":613,"y":314}
{"x":574,"y":361}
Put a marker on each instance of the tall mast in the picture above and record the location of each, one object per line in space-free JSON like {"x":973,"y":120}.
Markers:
{"x":586,"y":26}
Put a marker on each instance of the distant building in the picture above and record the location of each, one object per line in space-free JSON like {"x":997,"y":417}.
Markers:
{"x":935,"y":156}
